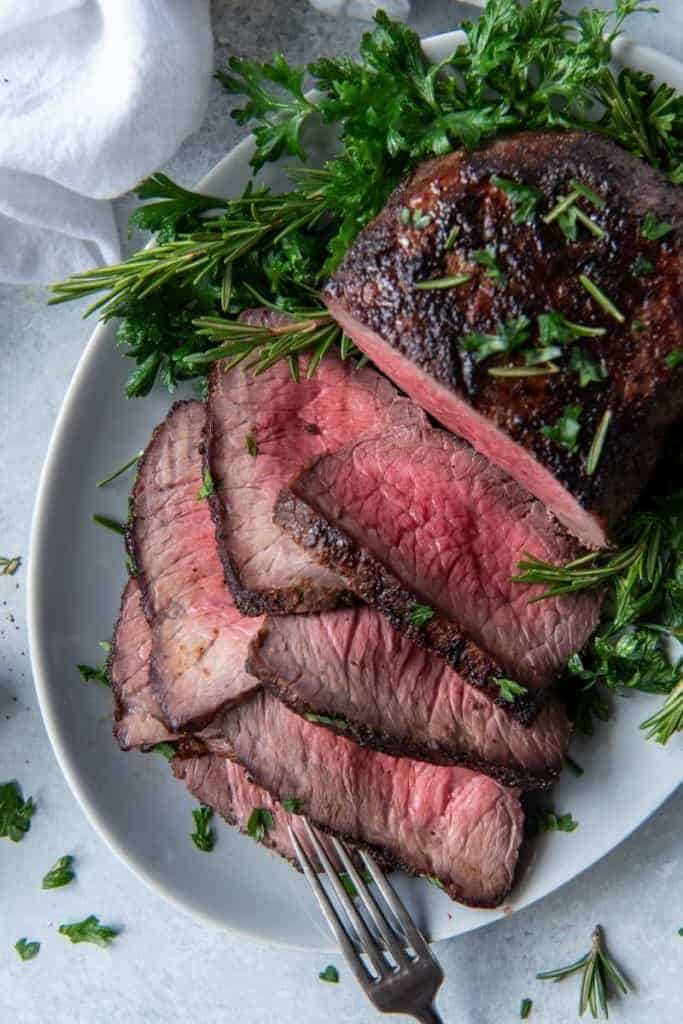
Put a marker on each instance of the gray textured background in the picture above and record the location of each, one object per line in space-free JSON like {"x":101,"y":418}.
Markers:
{"x":164,"y":967}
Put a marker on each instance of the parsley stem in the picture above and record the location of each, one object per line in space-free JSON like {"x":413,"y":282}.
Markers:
{"x":118,"y":472}
{"x":601,"y":298}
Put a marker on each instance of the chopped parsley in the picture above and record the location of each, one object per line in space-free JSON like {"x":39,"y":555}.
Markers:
{"x":566,"y":431}
{"x":433,"y":880}
{"x":487,"y":258}
{"x":642,"y":266}
{"x":554,"y":327}
{"x":15,"y":812}
{"x":548,"y":821}
{"x":523,"y":198}
{"x":203,"y":836}
{"x":207,"y":486}
{"x":573,"y":766}
{"x":347,"y":882}
{"x":603,"y":300}
{"x":674,"y":358}
{"x":525,"y":1009}
{"x":114,"y":525}
{"x":443,"y":282}
{"x":166,"y":750}
{"x":260,"y":821}
{"x":330,"y":974}
{"x":509,"y":690}
{"x":334,"y":722}
{"x":252,"y":448}
{"x":27,"y":950}
{"x":598,"y":443}
{"x":508,"y":338}
{"x":291,"y":804}
{"x":61,"y":873}
{"x":89,"y":930}
{"x":98,"y":675}
{"x":415,"y":217}
{"x":590,"y":371}
{"x":654,"y":229}
{"x":420,"y":614}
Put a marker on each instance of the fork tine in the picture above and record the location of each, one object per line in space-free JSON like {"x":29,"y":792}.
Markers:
{"x":345,"y":944}
{"x":412,"y":933}
{"x":367,"y":942}
{"x":373,"y":908}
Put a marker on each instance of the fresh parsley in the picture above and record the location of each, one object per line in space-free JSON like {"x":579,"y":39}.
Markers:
{"x":330,"y":974}
{"x":487,"y":258}
{"x":509,"y":690}
{"x":420,"y":614}
{"x":674,"y":358}
{"x":15,"y":812}
{"x":27,"y":950}
{"x":566,"y":431}
{"x":589,"y":370}
{"x":252,"y":447}
{"x":523,"y":198}
{"x":573,"y":766}
{"x":336,"y":722}
{"x":642,"y":267}
{"x":548,"y":821}
{"x":653,"y":229}
{"x":555,"y":327}
{"x":433,"y":880}
{"x":61,"y":873}
{"x":291,"y":804}
{"x":599,"y":974}
{"x":203,"y":836}
{"x":167,"y":750}
{"x":509,"y":337}
{"x":260,"y":821}
{"x":91,"y":674}
{"x":207,"y":486}
{"x":89,"y":930}
{"x":525,"y":1009}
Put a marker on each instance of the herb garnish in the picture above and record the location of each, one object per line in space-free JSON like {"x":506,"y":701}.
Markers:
{"x":674,"y":358}
{"x":15,"y":812}
{"x":207,"y":487}
{"x":598,"y":971}
{"x":260,"y":820}
{"x":566,"y":431}
{"x":524,"y":198}
{"x":589,"y":370}
{"x":61,"y":873}
{"x":508,"y":338}
{"x":573,"y":767}
{"x":654,"y":229}
{"x":167,"y":750}
{"x":420,"y":614}
{"x":444,"y":282}
{"x":27,"y":950}
{"x":601,"y":298}
{"x":203,"y":836}
{"x":89,"y":930}
{"x":347,"y":882}
{"x":91,"y":674}
{"x":598,"y":443}
{"x":668,"y":720}
{"x":487,"y":258}
{"x":525,"y":1009}
{"x":330,"y":974}
{"x":433,"y":880}
{"x":334,"y":722}
{"x":554,"y":326}
{"x":252,"y":447}
{"x":509,"y":689}
{"x":8,"y":566}
{"x":115,"y":525}
{"x":291,"y":804}
{"x":122,"y":469}
{"x":642,"y":266}
{"x":548,"y":821}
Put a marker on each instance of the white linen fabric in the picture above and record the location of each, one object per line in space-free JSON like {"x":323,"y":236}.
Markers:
{"x":94,"y":96}
{"x":363,"y":8}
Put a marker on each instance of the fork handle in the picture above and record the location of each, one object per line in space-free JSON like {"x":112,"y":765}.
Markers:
{"x":428,"y":1016}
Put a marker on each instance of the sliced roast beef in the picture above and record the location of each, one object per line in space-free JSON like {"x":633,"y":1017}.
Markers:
{"x":450,"y":823}
{"x":381,"y":589}
{"x":199,"y":639}
{"x":263,"y":430}
{"x":452,"y":219}
{"x":359,"y":676}
{"x":453,"y":528}
{"x":225,"y":786}
{"x":138,"y":720}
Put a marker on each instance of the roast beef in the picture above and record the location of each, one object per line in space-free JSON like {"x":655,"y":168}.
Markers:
{"x":359,"y":676}
{"x":440,"y":223}
{"x":138,"y":721}
{"x":452,"y":824}
{"x":381,"y":589}
{"x":263,"y":430}
{"x":199,"y":639}
{"x":453,"y":528}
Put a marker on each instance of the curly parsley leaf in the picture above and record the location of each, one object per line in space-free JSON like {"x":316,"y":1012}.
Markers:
{"x":566,"y":431}
{"x":15,"y":812}
{"x":61,"y":873}
{"x":589,"y":370}
{"x":523,"y":198}
{"x":203,"y":836}
{"x":89,"y":930}
{"x":27,"y":950}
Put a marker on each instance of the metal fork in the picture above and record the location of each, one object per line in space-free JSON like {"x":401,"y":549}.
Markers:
{"x":399,"y":979}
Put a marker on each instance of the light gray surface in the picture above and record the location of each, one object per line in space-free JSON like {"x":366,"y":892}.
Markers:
{"x":164,"y":967}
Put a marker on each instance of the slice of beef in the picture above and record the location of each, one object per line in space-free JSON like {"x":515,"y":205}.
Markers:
{"x":138,"y":720}
{"x":381,"y":589}
{"x":199,"y":639}
{"x":263,"y":430}
{"x":416,"y":335}
{"x":452,"y":824}
{"x":453,"y":528}
{"x":380,"y":689}
{"x":225,"y":786}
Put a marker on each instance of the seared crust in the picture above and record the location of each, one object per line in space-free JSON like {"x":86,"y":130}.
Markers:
{"x":380,"y":589}
{"x":375,"y":285}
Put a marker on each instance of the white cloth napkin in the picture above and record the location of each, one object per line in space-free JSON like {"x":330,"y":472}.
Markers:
{"x":94,"y":96}
{"x":363,"y":8}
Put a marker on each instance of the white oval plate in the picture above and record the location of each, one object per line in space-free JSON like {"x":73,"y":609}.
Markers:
{"x":76,"y":572}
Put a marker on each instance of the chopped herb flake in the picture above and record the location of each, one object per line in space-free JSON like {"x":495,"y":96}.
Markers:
{"x":548,"y":821}
{"x":444,"y":282}
{"x":554,"y":327}
{"x":598,"y":444}
{"x":335,"y":723}
{"x":15,"y":812}
{"x":590,"y":371}
{"x":573,"y":767}
{"x":203,"y":836}
{"x":642,"y":266}
{"x":588,"y":193}
{"x":115,"y":525}
{"x":260,"y":821}
{"x":420,"y":614}
{"x":525,"y":1009}
{"x":508,"y":338}
{"x":89,"y":930}
{"x":27,"y":950}
{"x":60,"y":874}
{"x":122,"y":469}
{"x":452,"y":237}
{"x":654,"y":229}
{"x":674,"y":358}
{"x":291,"y":804}
{"x":166,"y":750}
{"x":252,"y":447}
{"x":523,"y":371}
{"x":524,"y":198}
{"x":487,"y":258}
{"x":509,"y":689}
{"x":601,"y":298}
{"x":566,"y":431}
{"x":330,"y":974}
{"x":207,"y":486}
{"x":98,"y":675}
{"x":433,"y":880}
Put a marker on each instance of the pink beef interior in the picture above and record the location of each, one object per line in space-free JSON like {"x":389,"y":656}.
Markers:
{"x":199,"y":639}
{"x":453,"y":528}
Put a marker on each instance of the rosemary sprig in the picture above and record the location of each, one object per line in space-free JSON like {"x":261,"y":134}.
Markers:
{"x":109,"y":524}
{"x":668,"y":720}
{"x":120,"y":471}
{"x":599,"y":973}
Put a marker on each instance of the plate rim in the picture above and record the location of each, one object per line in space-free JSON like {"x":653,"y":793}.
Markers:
{"x":639,"y":55}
